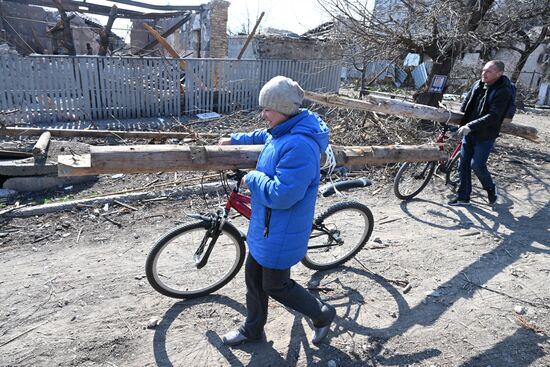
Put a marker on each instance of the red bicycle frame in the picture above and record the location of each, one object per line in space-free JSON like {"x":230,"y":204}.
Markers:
{"x":441,"y":141}
{"x":240,"y":202}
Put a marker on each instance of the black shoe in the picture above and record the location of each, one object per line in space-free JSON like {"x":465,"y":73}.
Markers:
{"x":492,"y":195}
{"x":459,"y":202}
{"x":320,"y":333}
{"x":235,"y":337}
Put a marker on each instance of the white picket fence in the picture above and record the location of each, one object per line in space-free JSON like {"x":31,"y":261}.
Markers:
{"x":88,"y":88}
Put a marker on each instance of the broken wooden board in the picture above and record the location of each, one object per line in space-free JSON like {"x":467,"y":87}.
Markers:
{"x":171,"y":158}
{"x":408,"y":109}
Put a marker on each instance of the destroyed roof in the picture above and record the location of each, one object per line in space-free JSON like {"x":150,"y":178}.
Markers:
{"x":322,"y":31}
{"x":270,"y":32}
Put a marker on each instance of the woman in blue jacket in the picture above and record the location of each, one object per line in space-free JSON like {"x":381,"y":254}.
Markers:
{"x":283,"y":189}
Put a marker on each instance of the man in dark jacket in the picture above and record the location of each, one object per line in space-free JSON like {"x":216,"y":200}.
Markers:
{"x":283,"y":190}
{"x":484,"y":110}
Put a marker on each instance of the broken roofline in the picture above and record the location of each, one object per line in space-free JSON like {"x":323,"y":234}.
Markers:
{"x":84,"y":7}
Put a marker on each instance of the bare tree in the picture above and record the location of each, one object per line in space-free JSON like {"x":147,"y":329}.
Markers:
{"x":518,"y":26}
{"x":442,"y":30}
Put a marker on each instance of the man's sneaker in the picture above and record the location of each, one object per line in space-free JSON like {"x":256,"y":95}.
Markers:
{"x":235,"y":337}
{"x":492,"y":195}
{"x":459,"y":202}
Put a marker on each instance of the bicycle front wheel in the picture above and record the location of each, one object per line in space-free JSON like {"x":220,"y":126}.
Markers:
{"x":171,"y":266}
{"x":452,"y":176}
{"x":412,"y":178}
{"x":338,"y":234}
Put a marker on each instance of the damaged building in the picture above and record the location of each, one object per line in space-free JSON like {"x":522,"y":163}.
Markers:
{"x":30,"y":29}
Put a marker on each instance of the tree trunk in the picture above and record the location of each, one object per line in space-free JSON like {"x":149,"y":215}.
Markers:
{"x":529,"y":48}
{"x":425,"y":97}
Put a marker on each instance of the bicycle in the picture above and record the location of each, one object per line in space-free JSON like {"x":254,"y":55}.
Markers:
{"x":413,"y":177}
{"x":196,"y":259}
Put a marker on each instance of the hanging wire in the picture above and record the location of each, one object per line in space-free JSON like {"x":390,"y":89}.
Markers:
{"x":22,"y":39}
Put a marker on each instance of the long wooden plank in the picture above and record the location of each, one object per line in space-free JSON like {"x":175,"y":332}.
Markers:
{"x":169,"y":158}
{"x":408,"y":109}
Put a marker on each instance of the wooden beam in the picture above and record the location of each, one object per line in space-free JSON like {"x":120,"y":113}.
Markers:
{"x":85,"y":7}
{"x":408,"y":109}
{"x":105,"y":32}
{"x":250,"y":36}
{"x":71,"y":133}
{"x":168,"y":158}
{"x":68,"y":41}
{"x":158,"y":7}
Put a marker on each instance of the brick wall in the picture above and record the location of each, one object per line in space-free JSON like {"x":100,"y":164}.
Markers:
{"x":218,"y":28}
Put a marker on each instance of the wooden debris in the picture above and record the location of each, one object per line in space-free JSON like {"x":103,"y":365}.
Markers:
{"x":528,"y":325}
{"x":125,"y":205}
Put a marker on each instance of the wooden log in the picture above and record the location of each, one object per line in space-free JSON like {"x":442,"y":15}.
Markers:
{"x":70,"y":133}
{"x":408,"y":109}
{"x":40,"y":148}
{"x":167,"y":158}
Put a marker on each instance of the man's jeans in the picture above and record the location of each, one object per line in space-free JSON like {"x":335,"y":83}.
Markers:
{"x":474,"y":155}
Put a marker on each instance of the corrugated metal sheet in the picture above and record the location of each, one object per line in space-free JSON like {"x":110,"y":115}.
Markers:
{"x":411,"y":59}
{"x":420,"y":75}
{"x":400,"y":77}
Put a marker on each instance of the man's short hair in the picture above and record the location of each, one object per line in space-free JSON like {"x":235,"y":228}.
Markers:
{"x":498,"y":64}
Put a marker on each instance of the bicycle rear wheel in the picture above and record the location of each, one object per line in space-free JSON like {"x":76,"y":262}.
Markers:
{"x":171,"y":268}
{"x":452,"y":176}
{"x":412,"y":178}
{"x":338,"y":234}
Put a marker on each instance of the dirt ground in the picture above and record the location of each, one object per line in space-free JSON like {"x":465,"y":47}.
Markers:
{"x":73,"y":290}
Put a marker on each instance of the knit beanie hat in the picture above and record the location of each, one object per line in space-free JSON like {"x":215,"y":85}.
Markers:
{"x":283,"y":95}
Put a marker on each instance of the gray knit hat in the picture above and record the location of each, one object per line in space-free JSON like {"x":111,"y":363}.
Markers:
{"x":283,"y":95}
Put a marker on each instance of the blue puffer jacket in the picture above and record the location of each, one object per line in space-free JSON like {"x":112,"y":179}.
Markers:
{"x":284,"y":188}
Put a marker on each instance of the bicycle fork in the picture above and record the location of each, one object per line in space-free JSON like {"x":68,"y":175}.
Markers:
{"x":206,"y":246}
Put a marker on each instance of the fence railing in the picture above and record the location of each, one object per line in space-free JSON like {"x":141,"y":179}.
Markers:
{"x":64,"y":88}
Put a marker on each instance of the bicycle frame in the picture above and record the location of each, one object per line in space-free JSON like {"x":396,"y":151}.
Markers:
{"x":441,"y":139}
{"x":241,"y":203}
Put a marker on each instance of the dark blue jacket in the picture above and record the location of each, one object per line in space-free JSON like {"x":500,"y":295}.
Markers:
{"x":496,"y":99}
{"x":284,"y":188}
